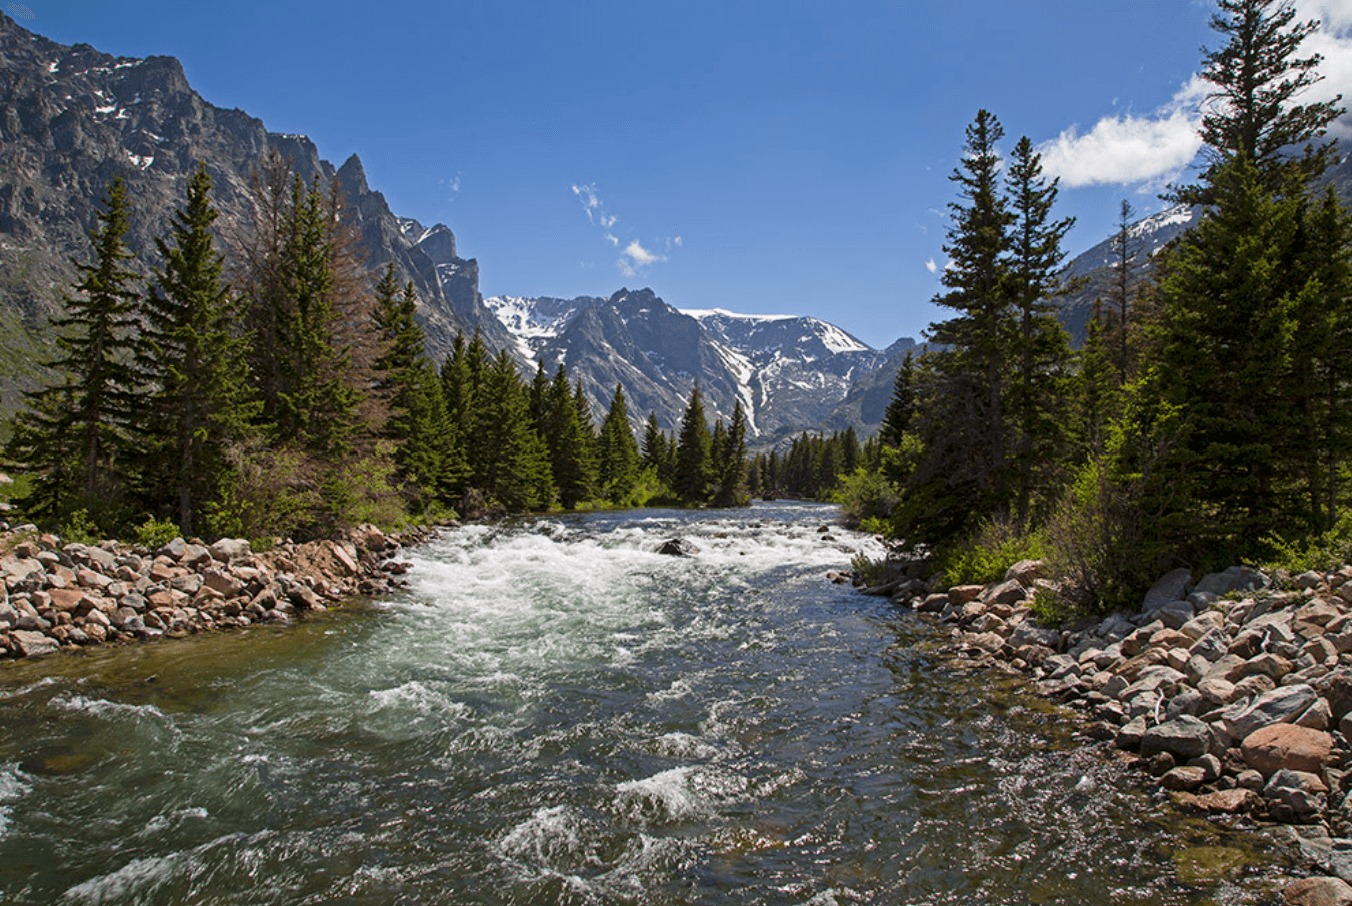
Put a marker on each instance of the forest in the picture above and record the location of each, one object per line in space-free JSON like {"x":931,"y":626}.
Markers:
{"x":282,"y":389}
{"x":1206,"y":420}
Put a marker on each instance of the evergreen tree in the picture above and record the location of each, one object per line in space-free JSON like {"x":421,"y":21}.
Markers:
{"x":897,"y":417}
{"x":514,"y":468}
{"x":80,"y":428}
{"x":568,"y":442}
{"x":1252,"y":111}
{"x":692,"y":471}
{"x":196,"y":365}
{"x":963,"y":475}
{"x":418,"y":424}
{"x":731,"y":475}
{"x":1037,"y":389}
{"x":617,"y":452}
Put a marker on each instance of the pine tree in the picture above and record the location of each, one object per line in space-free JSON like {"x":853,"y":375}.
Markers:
{"x":617,"y":452}
{"x":692,"y":471}
{"x":964,"y":473}
{"x":514,"y":468}
{"x":731,"y":474}
{"x":89,"y":415}
{"x":418,"y":423}
{"x":1252,"y":111}
{"x":195,"y":363}
{"x":898,"y":416}
{"x":1037,"y":389}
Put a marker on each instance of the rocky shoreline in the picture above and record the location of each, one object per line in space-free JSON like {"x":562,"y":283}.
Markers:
{"x":1232,"y":694}
{"x":59,"y":595}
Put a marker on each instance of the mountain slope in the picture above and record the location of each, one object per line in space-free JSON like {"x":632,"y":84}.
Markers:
{"x":72,"y":119}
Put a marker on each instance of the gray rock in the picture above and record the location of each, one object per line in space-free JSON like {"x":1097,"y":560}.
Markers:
{"x":1213,"y":645}
{"x":678,"y":547}
{"x":227,"y":550}
{"x":32,"y":644}
{"x":1281,"y":705}
{"x":1175,"y":614}
{"x":173,"y":550}
{"x":194,"y":555}
{"x":1131,"y":734}
{"x":1236,"y":578}
{"x":1031,"y":634}
{"x":1184,"y":737}
{"x":1168,"y":588}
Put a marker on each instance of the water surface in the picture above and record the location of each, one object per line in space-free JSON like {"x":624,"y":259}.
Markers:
{"x":555,"y":714}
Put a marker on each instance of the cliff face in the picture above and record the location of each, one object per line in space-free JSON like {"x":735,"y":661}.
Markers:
{"x":72,"y":119}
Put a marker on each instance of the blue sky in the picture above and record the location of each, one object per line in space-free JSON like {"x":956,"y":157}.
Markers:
{"x":764,"y":157}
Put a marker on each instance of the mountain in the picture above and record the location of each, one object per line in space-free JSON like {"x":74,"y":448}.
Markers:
{"x":789,"y":372}
{"x":73,"y":118}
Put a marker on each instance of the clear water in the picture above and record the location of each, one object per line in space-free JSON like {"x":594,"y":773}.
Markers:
{"x":555,"y":714}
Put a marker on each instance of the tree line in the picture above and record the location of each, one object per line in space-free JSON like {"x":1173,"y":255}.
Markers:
{"x":1205,"y":421}
{"x":288,"y":391}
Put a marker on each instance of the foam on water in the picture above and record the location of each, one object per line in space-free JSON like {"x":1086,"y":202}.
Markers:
{"x":12,"y":788}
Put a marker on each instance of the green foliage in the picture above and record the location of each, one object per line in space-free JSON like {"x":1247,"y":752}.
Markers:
{"x":79,"y":528}
{"x":867,"y":569}
{"x":1330,"y":550}
{"x":268,"y":491}
{"x":693,"y":449}
{"x":866,"y":497}
{"x":988,"y":554}
{"x":155,"y":533}
{"x":360,"y":489}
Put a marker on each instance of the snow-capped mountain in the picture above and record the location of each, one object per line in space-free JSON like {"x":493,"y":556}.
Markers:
{"x":789,"y":372}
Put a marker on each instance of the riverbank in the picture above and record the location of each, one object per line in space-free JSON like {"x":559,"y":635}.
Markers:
{"x":59,"y":595}
{"x":1232,"y":694}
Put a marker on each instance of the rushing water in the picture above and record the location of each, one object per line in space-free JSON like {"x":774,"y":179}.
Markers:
{"x":556,"y":714}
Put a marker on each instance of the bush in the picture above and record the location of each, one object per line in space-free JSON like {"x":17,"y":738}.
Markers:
{"x":986,"y":556}
{"x":155,"y":533}
{"x":866,"y":497}
{"x":1326,"y":552}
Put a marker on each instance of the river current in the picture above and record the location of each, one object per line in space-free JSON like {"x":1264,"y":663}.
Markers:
{"x":554,"y":713}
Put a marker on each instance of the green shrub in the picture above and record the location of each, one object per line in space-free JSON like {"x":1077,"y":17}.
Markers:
{"x":986,"y":556}
{"x":866,"y":496}
{"x":1325,"y":552}
{"x":79,"y":528}
{"x":155,"y":533}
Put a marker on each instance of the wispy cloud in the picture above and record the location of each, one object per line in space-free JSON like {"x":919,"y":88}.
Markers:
{"x":1154,"y":148}
{"x":635,"y":257}
{"x":932,"y":266}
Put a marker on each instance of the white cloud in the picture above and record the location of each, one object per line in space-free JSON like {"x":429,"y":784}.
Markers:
{"x":932,"y":266}
{"x":1129,"y":148}
{"x":635,"y":257}
{"x":591,"y":202}
{"x":1156,"y":147}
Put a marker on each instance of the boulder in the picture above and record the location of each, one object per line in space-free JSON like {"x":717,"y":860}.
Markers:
{"x":1168,"y":588}
{"x":227,"y":550}
{"x":1236,"y":578}
{"x":1281,"y":705}
{"x":1286,"y":746}
{"x":1185,"y":777}
{"x":195,"y":555}
{"x":1224,"y":802}
{"x":678,"y":547}
{"x":1319,"y":891}
{"x":1025,"y":572}
{"x":1184,"y":737}
{"x":31,"y":644}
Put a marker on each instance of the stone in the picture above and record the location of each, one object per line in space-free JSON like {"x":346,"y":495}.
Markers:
{"x":1210,"y":765}
{"x":1316,"y":717}
{"x":1318,"y":891}
{"x":345,"y":559}
{"x":1028,"y":633}
{"x":32,"y":644}
{"x":1186,"y":777}
{"x":66,"y":599}
{"x":1129,"y":737}
{"x":1318,"y":612}
{"x":1168,"y":588}
{"x":1010,"y":592}
{"x":1277,"y":706}
{"x":1270,"y":664}
{"x":1171,"y":638}
{"x":959,"y":595}
{"x":1236,"y":578}
{"x":1254,"y":686}
{"x":1025,"y":572}
{"x":1184,"y":737}
{"x":678,"y":547}
{"x":1295,"y":794}
{"x":1286,"y":746}
{"x":1337,"y":689}
{"x":1176,"y":614}
{"x":227,"y":550}
{"x":1224,"y":802}
{"x":222,"y":583}
{"x":195,"y":555}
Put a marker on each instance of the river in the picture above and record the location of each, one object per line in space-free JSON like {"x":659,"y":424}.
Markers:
{"x":554,"y":713}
